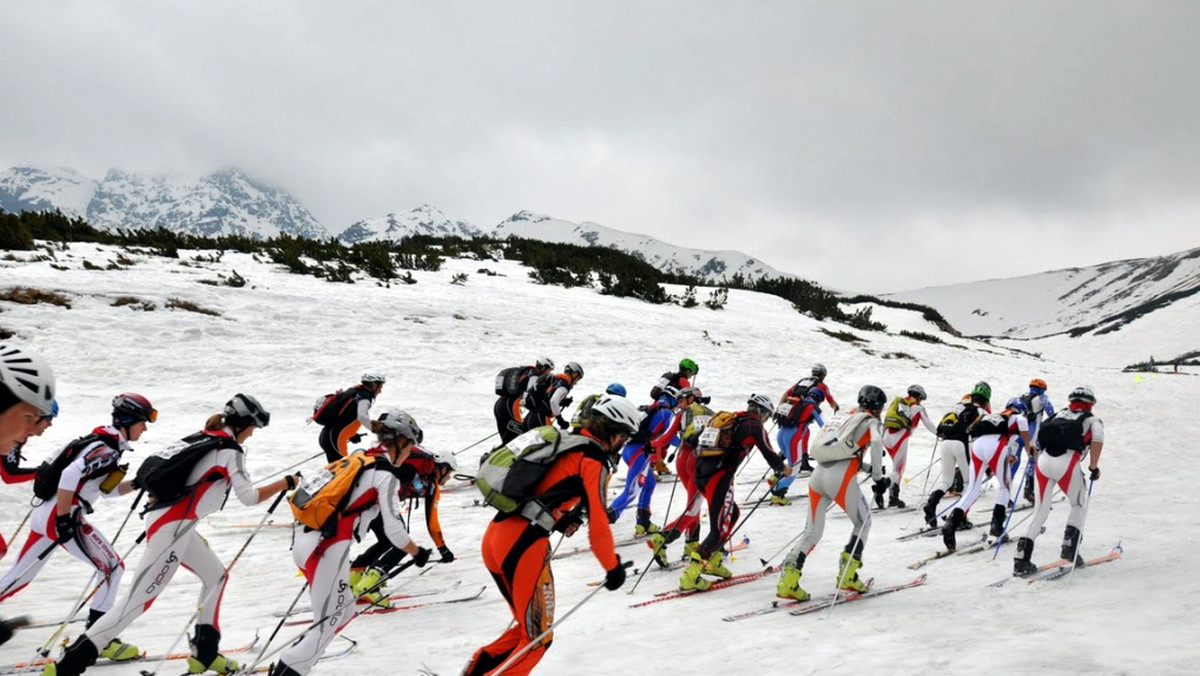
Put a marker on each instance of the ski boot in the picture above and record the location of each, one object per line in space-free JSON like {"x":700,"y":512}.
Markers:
{"x":1022,"y":565}
{"x":644,"y":526}
{"x":1070,"y":546}
{"x":879,"y":489}
{"x":7,"y":627}
{"x":931,"y":508}
{"x":1028,"y":491}
{"x":715,"y":566}
{"x":369,"y":590}
{"x":999,"y":514}
{"x":780,"y":500}
{"x":848,"y":574}
{"x":951,"y":527}
{"x":612,"y":515}
{"x":690,"y":547}
{"x":956,"y":486}
{"x":657,"y":542}
{"x":789,"y":585}
{"x":691,"y":579}
{"x":894,"y":497}
{"x":281,"y":669}
{"x":805,"y":468}
{"x":120,"y":651}
{"x":204,"y":655}
{"x":661,"y":469}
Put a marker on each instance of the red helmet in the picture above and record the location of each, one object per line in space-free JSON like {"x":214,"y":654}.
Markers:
{"x":131,"y":408}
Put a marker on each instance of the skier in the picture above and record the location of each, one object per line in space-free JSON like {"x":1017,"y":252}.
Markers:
{"x":952,"y":431}
{"x":11,"y":471}
{"x":325,"y":557}
{"x":1063,"y":441}
{"x":351,"y":411}
{"x":990,"y":436}
{"x":676,"y":379}
{"x":511,"y":396}
{"x":26,"y":396}
{"x":548,"y":397}
{"x":94,"y":470}
{"x":516,"y":548}
{"x":794,"y":416}
{"x":422,"y":477}
{"x":585,"y":406}
{"x":173,"y":541}
{"x":790,"y":422}
{"x":838,"y":451}
{"x":715,"y":469}
{"x":639,"y":456}
{"x":693,"y":415}
{"x":898,"y":423}
{"x":1037,"y":407}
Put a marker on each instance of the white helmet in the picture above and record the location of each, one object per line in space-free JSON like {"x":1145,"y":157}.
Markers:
{"x":573,"y":368}
{"x":545,"y":363}
{"x":446,"y":459}
{"x":27,"y":376}
{"x":397,"y":423}
{"x":243,"y":410}
{"x":761,"y":401}
{"x":620,"y":411}
{"x":374,"y":377}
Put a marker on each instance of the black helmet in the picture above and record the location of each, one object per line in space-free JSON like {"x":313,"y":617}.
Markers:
{"x":244,"y":410}
{"x":819,"y":371}
{"x":131,"y":408}
{"x":871,"y":398}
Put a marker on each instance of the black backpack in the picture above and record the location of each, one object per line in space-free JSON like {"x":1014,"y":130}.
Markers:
{"x":644,"y":431}
{"x":331,"y":406}
{"x":512,"y":381}
{"x":667,"y":379}
{"x":48,"y":474}
{"x":954,"y":424}
{"x":164,"y":475}
{"x":993,"y":423}
{"x":1063,"y":433}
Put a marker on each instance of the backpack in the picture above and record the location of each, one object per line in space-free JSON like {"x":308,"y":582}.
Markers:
{"x":327,"y":409}
{"x":584,"y":411}
{"x":164,"y":475}
{"x":714,"y":439}
{"x":319,"y":500}
{"x":955,"y":423}
{"x":669,"y":378}
{"x":838,"y":439}
{"x":508,"y":474}
{"x":695,"y":418}
{"x":511,"y":382}
{"x":645,"y":431}
{"x":992,"y":423}
{"x":48,"y":474}
{"x":1063,"y":433}
{"x":895,"y":419}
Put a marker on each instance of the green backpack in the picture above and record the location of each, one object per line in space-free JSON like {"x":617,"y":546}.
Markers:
{"x":895,"y":419}
{"x":508,"y":474}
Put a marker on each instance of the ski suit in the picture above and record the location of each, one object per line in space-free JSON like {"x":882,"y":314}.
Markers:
{"x":992,"y":451}
{"x":325,"y":560}
{"x":173,"y":541}
{"x":82,"y":476}
{"x":546,"y":399}
{"x":11,"y":471}
{"x":714,"y":477}
{"x":954,"y":445}
{"x":688,"y":422}
{"x":793,"y":441}
{"x":516,"y":550}
{"x":510,"y":423}
{"x":638,"y":455}
{"x":836,"y":482}
{"x":1062,"y":467}
{"x":1040,"y":408}
{"x":895,"y":441}
{"x":353,"y":413}
{"x":418,"y":480}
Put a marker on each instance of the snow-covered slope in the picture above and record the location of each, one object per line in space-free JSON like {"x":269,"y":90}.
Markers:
{"x":226,"y":202}
{"x":424,"y":220}
{"x":711,"y":266}
{"x":1098,"y":299}
{"x":287,"y":339}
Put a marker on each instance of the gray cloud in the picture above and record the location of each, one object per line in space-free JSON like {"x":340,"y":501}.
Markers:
{"x":872,"y":146}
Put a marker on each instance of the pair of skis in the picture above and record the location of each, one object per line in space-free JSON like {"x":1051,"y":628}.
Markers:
{"x":19,"y":667}
{"x":818,"y":603}
{"x":1061,"y":568}
{"x":412,"y":603}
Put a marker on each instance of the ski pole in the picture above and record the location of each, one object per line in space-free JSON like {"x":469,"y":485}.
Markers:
{"x":924,"y":484}
{"x":837,"y":593}
{"x":767,"y":562}
{"x":477,"y":443}
{"x":292,"y":467}
{"x":21,"y":525}
{"x":654,"y":554}
{"x":217,"y":587}
{"x":512,"y":659}
{"x":286,"y":614}
{"x":752,"y":510}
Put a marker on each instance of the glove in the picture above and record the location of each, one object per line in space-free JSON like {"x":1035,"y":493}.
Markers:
{"x":1094,"y":473}
{"x":422,"y":556}
{"x":613,"y":579}
{"x":356,"y":438}
{"x":447,"y":555}
{"x":293,"y":480}
{"x":562,"y":423}
{"x":671,"y":458}
{"x":64,"y":527}
{"x":568,"y":520}
{"x":567,"y":401}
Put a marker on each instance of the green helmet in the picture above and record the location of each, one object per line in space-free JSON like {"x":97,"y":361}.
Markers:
{"x":982,"y":389}
{"x":688,"y":364}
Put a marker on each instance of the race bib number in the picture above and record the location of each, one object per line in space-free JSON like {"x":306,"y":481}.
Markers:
{"x":708,"y":438}
{"x":784,"y":410}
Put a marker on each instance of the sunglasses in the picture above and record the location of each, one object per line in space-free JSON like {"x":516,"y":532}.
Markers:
{"x":153,"y":417}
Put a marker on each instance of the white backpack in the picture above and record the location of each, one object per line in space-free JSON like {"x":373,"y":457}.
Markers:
{"x":838,"y":439}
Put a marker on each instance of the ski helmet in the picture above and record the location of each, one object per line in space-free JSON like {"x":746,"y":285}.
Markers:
{"x":244,"y":410}
{"x":619,"y":411}
{"x":695,"y":393}
{"x":871,"y":398}
{"x":761,"y":402}
{"x":1082,"y":393}
{"x":819,"y":371}
{"x":1039,"y":384}
{"x":615,"y":388}
{"x":574,"y":369}
{"x":1015,"y":404}
{"x":982,"y":389}
{"x":131,"y":408}
{"x":544,"y":363}
{"x":373,"y":377}
{"x":444,"y":459}
{"x":27,"y":376}
{"x":688,"y":365}
{"x":397,"y":423}
{"x":917,"y":391}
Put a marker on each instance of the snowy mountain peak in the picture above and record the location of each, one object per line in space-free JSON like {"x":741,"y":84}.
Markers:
{"x":40,"y":189}
{"x":423,"y":220}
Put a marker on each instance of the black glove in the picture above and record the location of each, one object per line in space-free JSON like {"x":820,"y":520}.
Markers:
{"x":613,"y":579}
{"x":1094,"y":473}
{"x":356,"y":438}
{"x":292,"y":480}
{"x":422,"y":556}
{"x":567,"y":401}
{"x":671,"y":458}
{"x":568,"y":520}
{"x":447,"y":555}
{"x":562,"y":423}
{"x":64,"y":527}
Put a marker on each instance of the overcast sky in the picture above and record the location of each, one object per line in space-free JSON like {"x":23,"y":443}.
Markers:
{"x":870,"y":146}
